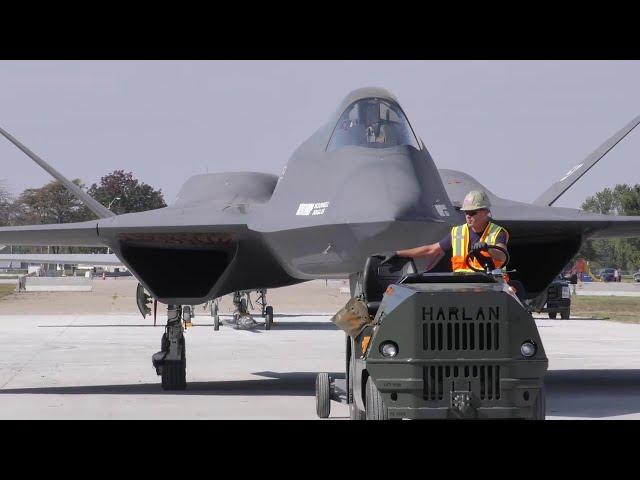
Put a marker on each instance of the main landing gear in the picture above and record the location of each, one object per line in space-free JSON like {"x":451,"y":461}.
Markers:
{"x":171,"y":361}
{"x":242,"y":318}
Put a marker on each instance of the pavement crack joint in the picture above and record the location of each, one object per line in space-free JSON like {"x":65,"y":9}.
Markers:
{"x":37,"y":353}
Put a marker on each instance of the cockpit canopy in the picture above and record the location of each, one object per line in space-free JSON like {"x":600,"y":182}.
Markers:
{"x":373,"y":123}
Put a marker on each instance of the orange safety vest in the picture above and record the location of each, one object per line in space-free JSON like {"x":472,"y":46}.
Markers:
{"x":460,"y":245}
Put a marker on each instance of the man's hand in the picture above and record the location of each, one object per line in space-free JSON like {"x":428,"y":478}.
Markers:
{"x":479,"y":247}
{"x":388,"y":256}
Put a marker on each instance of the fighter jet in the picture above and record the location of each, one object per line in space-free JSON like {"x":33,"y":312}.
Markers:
{"x":364,"y":182}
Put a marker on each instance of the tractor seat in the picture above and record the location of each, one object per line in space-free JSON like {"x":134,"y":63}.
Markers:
{"x":376,"y":278}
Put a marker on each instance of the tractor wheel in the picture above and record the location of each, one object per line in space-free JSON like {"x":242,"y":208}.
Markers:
{"x":540,"y":407}
{"x":375,"y":409}
{"x":323,"y":393}
{"x":354,"y":412}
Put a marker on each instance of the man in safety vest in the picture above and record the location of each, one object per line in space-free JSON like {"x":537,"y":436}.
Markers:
{"x":474,"y":236}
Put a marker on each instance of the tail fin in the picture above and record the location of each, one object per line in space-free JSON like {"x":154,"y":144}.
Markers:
{"x":572,"y":176}
{"x":93,"y":205}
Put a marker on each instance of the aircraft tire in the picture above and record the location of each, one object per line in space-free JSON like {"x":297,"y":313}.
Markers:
{"x":174,"y":373}
{"x":375,"y":409}
{"x":323,"y":395}
{"x":268,"y":318}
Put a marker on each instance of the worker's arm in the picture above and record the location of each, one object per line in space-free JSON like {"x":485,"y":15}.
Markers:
{"x":433,"y":253}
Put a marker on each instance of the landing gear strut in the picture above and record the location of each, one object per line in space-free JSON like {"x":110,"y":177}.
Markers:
{"x":214,"y":307}
{"x":171,"y":361}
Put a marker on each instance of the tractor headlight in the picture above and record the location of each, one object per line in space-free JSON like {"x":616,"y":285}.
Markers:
{"x":388,"y":349}
{"x":528,"y":349}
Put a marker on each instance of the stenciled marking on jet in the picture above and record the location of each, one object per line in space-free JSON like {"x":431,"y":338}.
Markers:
{"x":442,"y":210}
{"x":312,"y":208}
{"x":571,"y":172}
{"x":464,"y":313}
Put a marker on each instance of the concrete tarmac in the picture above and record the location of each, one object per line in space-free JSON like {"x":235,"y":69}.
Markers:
{"x":99,"y":367}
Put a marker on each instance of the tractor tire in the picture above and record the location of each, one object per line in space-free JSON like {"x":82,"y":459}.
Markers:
{"x":375,"y":408}
{"x":540,"y":407}
{"x":323,"y":395}
{"x":354,"y":412}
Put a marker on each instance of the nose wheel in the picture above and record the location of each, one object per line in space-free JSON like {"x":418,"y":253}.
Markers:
{"x":171,"y":361}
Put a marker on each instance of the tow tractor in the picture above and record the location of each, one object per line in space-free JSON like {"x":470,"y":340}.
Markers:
{"x":437,"y":346}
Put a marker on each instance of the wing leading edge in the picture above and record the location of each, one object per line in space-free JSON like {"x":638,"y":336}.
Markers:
{"x":64,"y":258}
{"x":82,"y":234}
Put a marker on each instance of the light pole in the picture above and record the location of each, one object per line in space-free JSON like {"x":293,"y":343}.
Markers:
{"x":109,"y":207}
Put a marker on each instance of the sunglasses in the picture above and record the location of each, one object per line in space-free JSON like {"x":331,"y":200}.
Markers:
{"x":471,"y":213}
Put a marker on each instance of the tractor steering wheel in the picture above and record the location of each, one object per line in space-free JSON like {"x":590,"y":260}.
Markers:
{"x":487,"y":261}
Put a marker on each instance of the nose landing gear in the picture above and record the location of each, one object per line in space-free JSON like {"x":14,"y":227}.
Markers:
{"x":171,"y":361}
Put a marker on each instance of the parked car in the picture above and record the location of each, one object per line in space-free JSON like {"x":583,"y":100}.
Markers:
{"x":607,"y":274}
{"x":636,"y":276}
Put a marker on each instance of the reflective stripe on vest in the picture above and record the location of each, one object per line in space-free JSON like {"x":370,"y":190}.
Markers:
{"x":460,"y":245}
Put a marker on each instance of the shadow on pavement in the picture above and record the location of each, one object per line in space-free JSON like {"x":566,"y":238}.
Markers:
{"x":278,"y":325}
{"x":592,"y":393}
{"x":570,"y":393}
{"x":274,"y":383}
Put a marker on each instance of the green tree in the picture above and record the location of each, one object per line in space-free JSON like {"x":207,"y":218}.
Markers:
{"x":6,"y":206}
{"x":52,"y":203}
{"x":620,"y":252}
{"x":126,"y":194}
{"x":602,"y":202}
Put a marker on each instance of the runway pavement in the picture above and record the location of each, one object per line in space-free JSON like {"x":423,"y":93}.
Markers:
{"x":99,"y":367}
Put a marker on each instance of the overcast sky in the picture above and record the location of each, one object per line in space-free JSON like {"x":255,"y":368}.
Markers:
{"x":515,"y":126}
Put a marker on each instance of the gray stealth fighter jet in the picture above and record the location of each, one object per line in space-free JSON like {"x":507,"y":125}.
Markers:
{"x":362,"y":183}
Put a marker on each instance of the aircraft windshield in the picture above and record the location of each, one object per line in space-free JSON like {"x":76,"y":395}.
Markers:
{"x":372,"y":123}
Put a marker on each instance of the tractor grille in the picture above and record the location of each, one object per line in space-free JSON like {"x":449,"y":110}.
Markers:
{"x":483,"y":379}
{"x":478,"y":336}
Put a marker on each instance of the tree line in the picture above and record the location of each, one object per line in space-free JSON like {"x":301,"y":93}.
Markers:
{"x":623,"y":253}
{"x":53,"y":203}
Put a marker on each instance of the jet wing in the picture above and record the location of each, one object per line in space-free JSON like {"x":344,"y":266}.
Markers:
{"x":84,"y":234}
{"x":180,"y":255}
{"x":64,"y":258}
{"x":102,"y":232}
{"x":529,"y":221}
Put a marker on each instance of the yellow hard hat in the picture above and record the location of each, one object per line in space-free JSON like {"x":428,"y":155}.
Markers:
{"x":475,"y":200}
